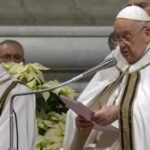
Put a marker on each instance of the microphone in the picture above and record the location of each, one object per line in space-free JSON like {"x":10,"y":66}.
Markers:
{"x":104,"y":65}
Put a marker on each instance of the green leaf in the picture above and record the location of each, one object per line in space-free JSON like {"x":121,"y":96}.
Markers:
{"x":41,"y":103}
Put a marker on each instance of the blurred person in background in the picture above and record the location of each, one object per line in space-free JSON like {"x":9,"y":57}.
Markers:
{"x":145,"y":4}
{"x":11,"y":51}
{"x":24,"y":106}
{"x":112,"y":41}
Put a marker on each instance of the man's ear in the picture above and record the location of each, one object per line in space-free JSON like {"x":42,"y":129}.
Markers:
{"x":147,"y":34}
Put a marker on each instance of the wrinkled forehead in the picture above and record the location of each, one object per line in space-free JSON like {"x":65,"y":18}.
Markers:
{"x":11,"y":48}
{"x":125,"y":23}
{"x":126,"y":26}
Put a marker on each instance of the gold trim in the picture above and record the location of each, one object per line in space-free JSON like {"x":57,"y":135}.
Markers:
{"x":5,"y":80}
{"x":6,"y":93}
{"x":125,"y":116}
{"x":101,"y":99}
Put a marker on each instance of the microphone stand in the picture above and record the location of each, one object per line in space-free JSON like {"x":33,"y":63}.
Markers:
{"x":105,"y":64}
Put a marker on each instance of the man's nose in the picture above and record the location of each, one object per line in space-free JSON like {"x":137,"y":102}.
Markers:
{"x":14,"y":59}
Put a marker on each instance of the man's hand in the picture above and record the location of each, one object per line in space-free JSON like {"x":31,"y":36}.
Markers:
{"x":106,"y":115}
{"x":82,"y":123}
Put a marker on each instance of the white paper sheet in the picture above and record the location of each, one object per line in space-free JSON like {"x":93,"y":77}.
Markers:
{"x":84,"y":111}
{"x":77,"y":107}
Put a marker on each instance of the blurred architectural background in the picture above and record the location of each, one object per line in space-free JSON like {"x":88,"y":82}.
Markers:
{"x":59,"y":12}
{"x":69,"y":36}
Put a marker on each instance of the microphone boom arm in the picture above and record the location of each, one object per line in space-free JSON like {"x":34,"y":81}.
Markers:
{"x":105,"y":64}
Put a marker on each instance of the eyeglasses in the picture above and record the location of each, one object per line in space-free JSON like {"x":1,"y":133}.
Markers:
{"x":9,"y":58}
{"x":127,"y":37}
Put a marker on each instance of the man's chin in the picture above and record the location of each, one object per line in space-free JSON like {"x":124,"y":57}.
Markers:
{"x":129,"y":60}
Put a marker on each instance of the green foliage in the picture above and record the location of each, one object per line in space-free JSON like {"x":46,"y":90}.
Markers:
{"x":51,"y":131}
{"x":50,"y":111}
{"x":53,"y":103}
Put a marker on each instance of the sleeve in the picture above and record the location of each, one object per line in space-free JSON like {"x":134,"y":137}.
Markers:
{"x":70,"y":120}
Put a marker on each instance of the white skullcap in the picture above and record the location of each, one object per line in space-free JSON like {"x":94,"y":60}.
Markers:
{"x":133,"y":13}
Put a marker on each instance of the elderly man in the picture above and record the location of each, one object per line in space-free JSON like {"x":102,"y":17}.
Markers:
{"x":24,"y":106}
{"x":11,"y":51}
{"x":124,"y":93}
{"x":24,"y":114}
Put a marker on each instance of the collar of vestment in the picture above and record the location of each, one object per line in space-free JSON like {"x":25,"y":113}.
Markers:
{"x":2,"y":71}
{"x":6,"y":84}
{"x":4,"y":76}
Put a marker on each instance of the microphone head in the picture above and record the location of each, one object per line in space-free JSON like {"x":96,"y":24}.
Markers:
{"x":104,"y":65}
{"x":111,"y":61}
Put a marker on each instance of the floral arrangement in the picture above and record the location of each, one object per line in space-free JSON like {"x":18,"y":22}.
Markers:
{"x":50,"y":111}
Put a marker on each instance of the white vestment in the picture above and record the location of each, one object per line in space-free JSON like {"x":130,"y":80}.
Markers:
{"x":24,"y":107}
{"x":134,"y":120}
{"x":96,"y":85}
{"x":140,"y":117}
